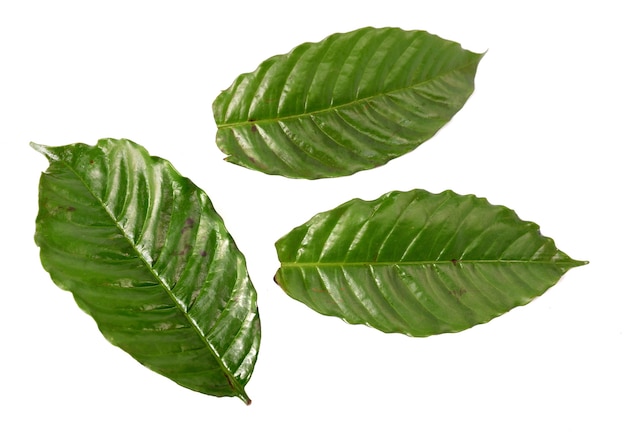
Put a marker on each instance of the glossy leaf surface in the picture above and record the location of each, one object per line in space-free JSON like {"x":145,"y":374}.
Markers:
{"x":351,"y":102}
{"x":418,"y":263}
{"x":145,"y":254}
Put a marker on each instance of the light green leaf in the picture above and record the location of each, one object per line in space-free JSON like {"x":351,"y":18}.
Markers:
{"x":418,"y":263}
{"x":351,"y":102}
{"x":145,"y":254}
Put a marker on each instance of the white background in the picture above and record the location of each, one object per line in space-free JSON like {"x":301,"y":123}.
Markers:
{"x":542,"y":134}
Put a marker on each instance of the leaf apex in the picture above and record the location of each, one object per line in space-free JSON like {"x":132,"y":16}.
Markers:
{"x":43,"y":149}
{"x":245,"y":398}
{"x":571,"y":263}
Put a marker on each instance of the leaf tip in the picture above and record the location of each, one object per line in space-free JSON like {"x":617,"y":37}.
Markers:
{"x":580,"y":263}
{"x":245,"y":398}
{"x":572,"y":263}
{"x":40,"y":148}
{"x":45,"y":150}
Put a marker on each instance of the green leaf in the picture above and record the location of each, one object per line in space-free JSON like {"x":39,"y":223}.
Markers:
{"x":145,"y":254}
{"x":418,"y":263}
{"x":351,"y":102}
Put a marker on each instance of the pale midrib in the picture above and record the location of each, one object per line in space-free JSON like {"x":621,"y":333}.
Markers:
{"x":163,"y":285}
{"x":456,"y":263}
{"x":341,"y":106}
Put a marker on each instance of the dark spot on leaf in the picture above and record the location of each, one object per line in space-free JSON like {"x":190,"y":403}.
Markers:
{"x":194,"y":296}
{"x":230,"y":383}
{"x":185,"y":250}
{"x":454,"y":262}
{"x":253,"y":127}
{"x":189,"y":222}
{"x":458,"y":293}
{"x":203,"y":253}
{"x":91,"y":162}
{"x":70,"y":208}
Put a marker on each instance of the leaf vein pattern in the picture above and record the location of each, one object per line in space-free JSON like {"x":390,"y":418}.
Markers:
{"x":147,"y":265}
{"x":334,"y":296}
{"x":478,"y":297}
{"x":285,"y":66}
{"x":328,"y":245}
{"x":128,"y":212}
{"x":501,"y":291}
{"x":414,"y":87}
{"x":459,"y":228}
{"x":147,"y":231}
{"x":362,"y":228}
{"x":337,"y":161}
{"x":396,"y":221}
{"x":369,"y":67}
{"x":360,"y":296}
{"x":425,"y":226}
{"x":351,"y":51}
{"x":512,"y":243}
{"x":440,"y":295}
{"x":416,"y":298}
{"x":371,"y":142}
{"x":399,"y":318}
{"x":390,"y":127}
{"x":275,"y":148}
{"x":320,"y":51}
{"x":246,"y":90}
{"x":400,"y":62}
{"x":299,"y":147}
{"x":487,"y":296}
{"x":479,"y":239}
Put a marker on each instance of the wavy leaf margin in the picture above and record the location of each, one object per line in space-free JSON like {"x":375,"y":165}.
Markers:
{"x":348,"y":103}
{"x":144,"y":253}
{"x":418,"y":263}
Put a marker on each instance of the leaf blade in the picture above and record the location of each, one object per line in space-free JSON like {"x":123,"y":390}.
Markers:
{"x":145,"y":254}
{"x":351,"y":102}
{"x":418,"y":263}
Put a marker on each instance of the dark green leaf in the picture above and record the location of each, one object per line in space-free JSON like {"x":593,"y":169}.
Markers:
{"x":351,"y":102}
{"x":418,"y":263}
{"x":145,"y":254}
